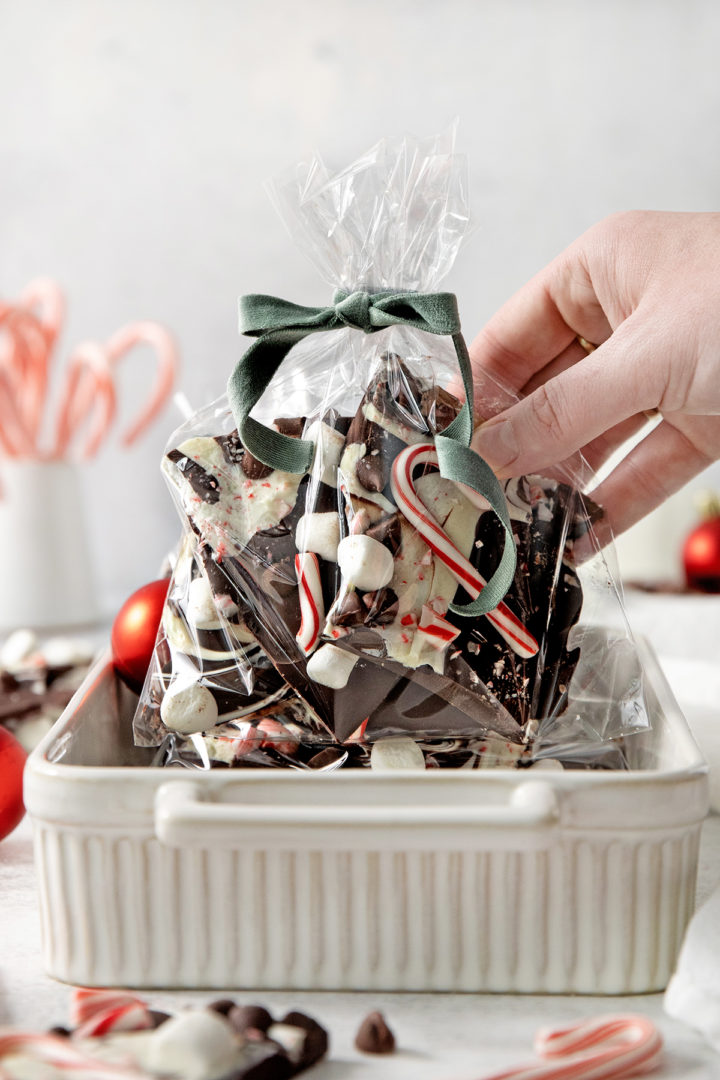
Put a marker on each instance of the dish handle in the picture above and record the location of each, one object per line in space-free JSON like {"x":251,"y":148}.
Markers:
{"x":186,"y":817}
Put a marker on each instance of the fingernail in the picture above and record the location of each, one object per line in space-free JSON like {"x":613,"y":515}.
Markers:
{"x":496,"y":443}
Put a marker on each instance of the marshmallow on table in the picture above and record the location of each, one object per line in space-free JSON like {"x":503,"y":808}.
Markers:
{"x":196,"y":1045}
{"x":396,"y":752}
{"x":331,"y":666}
{"x":365,"y":563}
{"x":188,"y":706}
{"x":320,"y":534}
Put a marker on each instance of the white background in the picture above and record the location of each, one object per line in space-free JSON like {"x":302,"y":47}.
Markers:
{"x":135,"y":138}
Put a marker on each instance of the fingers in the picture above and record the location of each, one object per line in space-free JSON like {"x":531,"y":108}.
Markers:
{"x":597,"y":452}
{"x":656,"y":468}
{"x":540,"y":321}
{"x":569,"y":356}
{"x":572,"y":409}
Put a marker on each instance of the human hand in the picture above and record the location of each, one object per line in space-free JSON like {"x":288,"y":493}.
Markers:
{"x":645,"y":288}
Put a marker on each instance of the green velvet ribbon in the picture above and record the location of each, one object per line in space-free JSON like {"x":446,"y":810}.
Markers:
{"x":278,"y":325}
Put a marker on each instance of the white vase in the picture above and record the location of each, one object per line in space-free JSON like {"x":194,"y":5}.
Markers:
{"x":46,"y":577}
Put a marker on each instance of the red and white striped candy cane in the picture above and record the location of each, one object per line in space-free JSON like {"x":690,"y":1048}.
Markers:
{"x":439,"y":632}
{"x":124,"y":341}
{"x":98,"y":1012}
{"x":608,"y":1048}
{"x":62,"y":1055}
{"x":411,"y":506}
{"x":312,"y":608}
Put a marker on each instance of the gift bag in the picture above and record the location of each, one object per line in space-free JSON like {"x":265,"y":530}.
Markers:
{"x":357,"y":586}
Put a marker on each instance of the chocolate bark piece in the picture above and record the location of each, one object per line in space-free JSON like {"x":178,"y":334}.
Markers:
{"x":545,"y":595}
{"x":427,"y":704}
{"x":235,"y":454}
{"x":316,"y":1038}
{"x":374,"y":1036}
{"x":327,"y":758}
{"x":204,"y":483}
{"x":262,"y":1060}
{"x":290,"y":425}
{"x":373,"y":471}
{"x":387,"y":531}
{"x":256,"y":555}
{"x":243,"y":1017}
{"x":382,"y":607}
{"x":396,"y":392}
{"x":222,"y":1006}
{"x":439,"y":407}
{"x":351,"y":610}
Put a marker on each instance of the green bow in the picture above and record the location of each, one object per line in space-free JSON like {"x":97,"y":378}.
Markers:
{"x":279,"y":325}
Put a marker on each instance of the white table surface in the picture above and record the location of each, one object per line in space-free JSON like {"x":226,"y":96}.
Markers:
{"x":440,"y":1036}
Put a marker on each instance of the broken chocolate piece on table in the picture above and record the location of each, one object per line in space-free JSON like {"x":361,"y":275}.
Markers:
{"x":387,"y":655}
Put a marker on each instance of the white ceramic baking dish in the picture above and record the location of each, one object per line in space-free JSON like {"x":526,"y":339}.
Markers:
{"x":500,"y":880}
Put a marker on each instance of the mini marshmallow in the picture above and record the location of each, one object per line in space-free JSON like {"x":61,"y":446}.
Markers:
{"x":201,"y":608}
{"x":365,"y":563}
{"x":67,"y":651}
{"x":196,"y":1045}
{"x":331,"y":666}
{"x":397,"y":752}
{"x":329,"y":445}
{"x":319,"y":533}
{"x":548,"y":764}
{"x":188,"y":706}
{"x":19,"y":647}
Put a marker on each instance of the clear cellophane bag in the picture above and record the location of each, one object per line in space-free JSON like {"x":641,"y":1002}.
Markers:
{"x":310,"y":618}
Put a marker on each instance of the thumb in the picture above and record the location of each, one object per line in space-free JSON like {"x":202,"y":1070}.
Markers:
{"x":616,"y":381}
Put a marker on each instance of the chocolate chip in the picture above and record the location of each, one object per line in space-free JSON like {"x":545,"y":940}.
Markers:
{"x":292,"y":426}
{"x":254,"y":469}
{"x":316,"y":1041}
{"x":374,"y":1036}
{"x":222,"y":1006}
{"x":387,"y":531}
{"x":60,"y":1031}
{"x":243,"y":1017}
{"x":350,"y":611}
{"x":372,"y":472}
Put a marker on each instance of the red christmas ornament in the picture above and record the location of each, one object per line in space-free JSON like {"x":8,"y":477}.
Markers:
{"x":701,"y":550}
{"x":135,"y":630}
{"x":12,"y":763}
